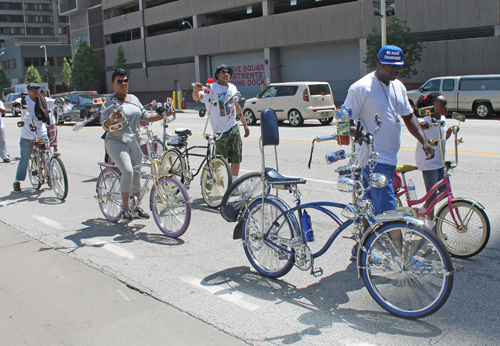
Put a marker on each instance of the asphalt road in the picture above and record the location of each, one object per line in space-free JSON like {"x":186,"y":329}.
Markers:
{"x":206,"y":274}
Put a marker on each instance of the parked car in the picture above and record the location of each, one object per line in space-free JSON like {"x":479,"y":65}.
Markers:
{"x":293,"y":101}
{"x":8,"y":100}
{"x":83,"y":106}
{"x":479,"y":94}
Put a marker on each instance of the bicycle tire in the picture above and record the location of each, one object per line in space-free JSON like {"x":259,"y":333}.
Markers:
{"x":215,"y":179}
{"x":266,"y":258}
{"x":173,"y":159}
{"x":170,"y":206}
{"x":158,"y":148}
{"x":469,"y":238}
{"x":109,"y":195}
{"x":35,"y":179}
{"x":243,"y":191}
{"x":59,"y":178}
{"x":413,"y":281}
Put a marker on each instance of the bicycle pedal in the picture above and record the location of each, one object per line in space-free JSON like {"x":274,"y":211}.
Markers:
{"x":34,"y":173}
{"x":317,"y":271}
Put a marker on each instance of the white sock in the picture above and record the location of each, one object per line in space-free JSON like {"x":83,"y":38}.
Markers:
{"x":234,"y":178}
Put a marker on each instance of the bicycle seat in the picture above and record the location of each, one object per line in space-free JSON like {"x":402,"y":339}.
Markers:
{"x":274,"y":178}
{"x":405,"y":168}
{"x":183,"y":132}
{"x":109,"y":165}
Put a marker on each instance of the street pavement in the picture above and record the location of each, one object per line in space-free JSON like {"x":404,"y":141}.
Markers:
{"x":205,"y":274}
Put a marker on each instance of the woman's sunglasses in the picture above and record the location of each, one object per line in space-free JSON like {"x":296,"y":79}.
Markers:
{"x":121,"y":81}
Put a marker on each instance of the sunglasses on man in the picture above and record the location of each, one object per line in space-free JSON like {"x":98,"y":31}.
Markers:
{"x":225,"y":71}
{"x":34,"y":89}
{"x":121,"y":81}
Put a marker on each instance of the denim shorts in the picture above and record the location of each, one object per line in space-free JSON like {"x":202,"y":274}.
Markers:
{"x":382,"y":198}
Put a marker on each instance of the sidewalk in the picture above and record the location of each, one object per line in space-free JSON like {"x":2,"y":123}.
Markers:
{"x":48,"y":298}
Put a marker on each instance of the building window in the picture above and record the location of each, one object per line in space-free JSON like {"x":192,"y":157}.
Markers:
{"x":38,"y":7}
{"x":62,"y":30}
{"x":124,"y":36}
{"x":39,"y":19}
{"x":12,"y":31}
{"x":74,"y":41}
{"x":11,"y":6}
{"x":4,"y":65}
{"x":153,"y":3}
{"x":12,"y":64}
{"x":11,"y":18}
{"x":121,"y":10}
{"x":60,"y":60}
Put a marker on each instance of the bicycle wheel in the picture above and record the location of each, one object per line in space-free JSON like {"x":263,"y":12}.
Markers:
{"x":109,"y":195}
{"x":171,"y":206}
{"x":158,"y":148}
{"x":58,"y":177}
{"x":33,"y":173}
{"x":472,"y":233}
{"x":265,"y":257}
{"x":406,"y":270}
{"x":215,"y":180}
{"x":243,"y":191}
{"x":173,"y":159}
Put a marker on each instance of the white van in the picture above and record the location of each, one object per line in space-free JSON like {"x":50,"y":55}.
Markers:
{"x":479,"y":94}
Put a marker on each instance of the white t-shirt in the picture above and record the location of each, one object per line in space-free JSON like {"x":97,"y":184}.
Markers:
{"x":437,"y":161}
{"x":218,"y":109}
{"x":368,"y":97}
{"x":40,"y":125}
{"x":1,"y":122}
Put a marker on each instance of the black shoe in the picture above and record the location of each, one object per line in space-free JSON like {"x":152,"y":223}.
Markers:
{"x":142,"y":214}
{"x":7,"y":160}
{"x":127,"y":215}
{"x":17,"y":186}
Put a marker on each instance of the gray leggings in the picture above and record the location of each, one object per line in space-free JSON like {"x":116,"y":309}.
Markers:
{"x":126,"y":156}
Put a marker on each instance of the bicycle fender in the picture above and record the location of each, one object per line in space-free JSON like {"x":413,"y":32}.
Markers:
{"x":238,"y":230}
{"x":465,"y":199}
{"x":372,"y":229}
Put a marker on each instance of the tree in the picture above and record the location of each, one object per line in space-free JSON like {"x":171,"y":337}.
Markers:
{"x":121,"y":61}
{"x":48,"y":77}
{"x":5,"y":81}
{"x":32,"y":75}
{"x":66,"y":73}
{"x":86,"y":74}
{"x":398,"y":34}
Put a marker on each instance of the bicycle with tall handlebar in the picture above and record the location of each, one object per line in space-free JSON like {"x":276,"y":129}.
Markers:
{"x":461,"y":222}
{"x":44,"y":167}
{"x":168,"y":200}
{"x":405,"y":267}
{"x":215,"y":171}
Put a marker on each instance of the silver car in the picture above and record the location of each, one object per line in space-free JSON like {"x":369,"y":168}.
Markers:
{"x":10,"y":108}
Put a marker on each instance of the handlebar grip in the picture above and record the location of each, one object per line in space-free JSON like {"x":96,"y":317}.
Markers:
{"x":331,"y":137}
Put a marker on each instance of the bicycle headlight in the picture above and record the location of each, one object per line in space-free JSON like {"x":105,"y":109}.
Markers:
{"x":127,"y":138}
{"x":378,"y":180}
{"x":350,"y":212}
{"x":345,"y":184}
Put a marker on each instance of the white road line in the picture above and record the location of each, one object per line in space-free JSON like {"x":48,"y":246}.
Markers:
{"x":109,"y":247}
{"x":309,"y":179}
{"x":48,"y":222}
{"x":225,"y":292}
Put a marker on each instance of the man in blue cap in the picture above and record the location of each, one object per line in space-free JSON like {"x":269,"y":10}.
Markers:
{"x":380,"y":92}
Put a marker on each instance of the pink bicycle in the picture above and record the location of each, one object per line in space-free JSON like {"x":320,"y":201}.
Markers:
{"x":461,"y":222}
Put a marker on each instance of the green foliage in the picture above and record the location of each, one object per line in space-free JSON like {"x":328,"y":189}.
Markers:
{"x":398,"y":34}
{"x":66,"y":73}
{"x":48,"y":77}
{"x":86,"y":74}
{"x":121,"y":61}
{"x":5,"y":81}
{"x":32,"y":75}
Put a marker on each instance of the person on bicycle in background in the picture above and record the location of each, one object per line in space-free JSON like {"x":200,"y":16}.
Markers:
{"x":126,"y":155}
{"x":433,"y":170}
{"x":39,"y":107}
{"x":380,"y":92}
{"x":3,"y":143}
{"x":229,"y":144}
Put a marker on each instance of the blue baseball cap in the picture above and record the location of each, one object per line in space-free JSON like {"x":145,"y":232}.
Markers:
{"x":391,"y":55}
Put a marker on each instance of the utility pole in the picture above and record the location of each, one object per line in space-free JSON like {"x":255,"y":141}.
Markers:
{"x":383,"y":22}
{"x":384,"y":9}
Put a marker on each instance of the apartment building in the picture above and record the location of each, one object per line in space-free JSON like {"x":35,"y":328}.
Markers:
{"x":30,"y":31}
{"x":171,"y":43}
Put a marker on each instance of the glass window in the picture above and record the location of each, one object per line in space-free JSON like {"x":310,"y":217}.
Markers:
{"x":319,"y":89}
{"x":288,"y":90}
{"x":432,"y":85}
{"x":448,"y":85}
{"x":480,"y":84}
{"x":270,"y":92}
{"x":12,"y":64}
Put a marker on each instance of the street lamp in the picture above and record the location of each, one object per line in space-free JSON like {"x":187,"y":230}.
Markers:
{"x":45,"y":49}
{"x":184,"y":22}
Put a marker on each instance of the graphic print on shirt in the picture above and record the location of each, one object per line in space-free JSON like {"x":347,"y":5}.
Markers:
{"x":225,"y":108}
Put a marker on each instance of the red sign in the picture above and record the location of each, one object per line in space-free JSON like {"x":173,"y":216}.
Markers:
{"x":248,"y":75}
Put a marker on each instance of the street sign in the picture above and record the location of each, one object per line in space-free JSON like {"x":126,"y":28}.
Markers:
{"x":389,"y":8}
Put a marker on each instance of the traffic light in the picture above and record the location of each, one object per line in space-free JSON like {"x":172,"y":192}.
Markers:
{"x":389,"y":8}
